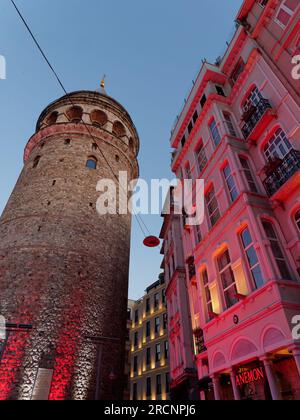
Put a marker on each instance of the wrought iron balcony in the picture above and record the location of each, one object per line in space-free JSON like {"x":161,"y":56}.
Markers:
{"x":285,"y":170}
{"x":254,"y":116}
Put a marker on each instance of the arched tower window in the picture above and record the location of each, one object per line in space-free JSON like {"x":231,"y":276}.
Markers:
{"x":36,"y":162}
{"x":52,"y":118}
{"x":119,"y":129}
{"x":75,"y":114}
{"x":98,"y":118}
{"x":278,"y":146}
{"x":297,"y":219}
{"x":92,"y":163}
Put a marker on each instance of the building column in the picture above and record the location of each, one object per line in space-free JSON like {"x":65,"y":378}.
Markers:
{"x":217,"y":387}
{"x":236,"y":391}
{"x":276,"y":396}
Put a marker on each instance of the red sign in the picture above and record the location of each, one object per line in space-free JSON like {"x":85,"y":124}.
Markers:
{"x":246,"y":377}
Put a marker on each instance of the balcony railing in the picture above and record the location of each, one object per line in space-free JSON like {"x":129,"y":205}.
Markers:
{"x":254,"y":117}
{"x":284,"y":171}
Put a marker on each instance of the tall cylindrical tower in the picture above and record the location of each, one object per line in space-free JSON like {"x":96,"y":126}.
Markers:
{"x":63,"y":267}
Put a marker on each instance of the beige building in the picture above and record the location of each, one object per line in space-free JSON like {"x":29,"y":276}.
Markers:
{"x":150,"y":378}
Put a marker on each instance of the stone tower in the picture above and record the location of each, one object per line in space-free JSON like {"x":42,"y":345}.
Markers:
{"x":63,"y":267}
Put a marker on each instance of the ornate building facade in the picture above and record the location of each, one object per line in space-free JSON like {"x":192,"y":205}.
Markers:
{"x":239,"y":131}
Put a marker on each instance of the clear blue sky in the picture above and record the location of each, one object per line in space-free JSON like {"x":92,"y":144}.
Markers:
{"x":150,"y":51}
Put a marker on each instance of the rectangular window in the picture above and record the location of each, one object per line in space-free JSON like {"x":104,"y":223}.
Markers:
{"x":195,"y":117}
{"x":203,"y":101}
{"x":148,"y":329}
{"x":166,"y":350}
{"x":158,"y":353}
{"x":148,"y":357}
{"x":201,"y":157}
{"x":220,"y":90}
{"x":229,"y":124}
{"x":214,"y":130}
{"x":148,"y":306}
{"x":190,"y":127}
{"x":252,"y":258}
{"x":165,"y":318}
{"x":136,"y":339}
{"x":156,"y":300}
{"x":163,"y":296}
{"x":136,"y":317}
{"x":149,"y":388}
{"x":277,"y":250}
{"x":188,"y":172}
{"x":212,"y":206}
{"x":238,"y":70}
{"x":230,"y":182}
{"x":248,"y":175}
{"x":135,"y":364}
{"x":227,"y":279}
{"x":207,"y":296}
{"x":157,"y":325}
{"x":158,"y":385}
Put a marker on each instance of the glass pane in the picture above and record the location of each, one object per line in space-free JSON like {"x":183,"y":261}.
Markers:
{"x":227,"y":278}
{"x":230,"y":297}
{"x":252,"y":257}
{"x":246,"y":238}
{"x":258,"y":277}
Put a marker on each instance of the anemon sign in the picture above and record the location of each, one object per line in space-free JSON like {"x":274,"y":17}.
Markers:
{"x":250,"y":376}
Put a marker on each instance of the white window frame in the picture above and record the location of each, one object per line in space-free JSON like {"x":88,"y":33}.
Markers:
{"x":287,"y":10}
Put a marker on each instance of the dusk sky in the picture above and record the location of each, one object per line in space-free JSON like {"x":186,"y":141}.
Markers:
{"x":150,"y":51}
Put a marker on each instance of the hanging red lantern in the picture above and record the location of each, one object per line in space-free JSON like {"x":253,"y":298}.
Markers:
{"x":151,"y":242}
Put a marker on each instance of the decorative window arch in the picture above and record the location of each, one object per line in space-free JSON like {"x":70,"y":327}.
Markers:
{"x":98,"y":118}
{"x":92,"y":162}
{"x":75,"y":114}
{"x":119,"y":129}
{"x":297,"y":219}
{"x":278,"y":146}
{"x":52,"y":118}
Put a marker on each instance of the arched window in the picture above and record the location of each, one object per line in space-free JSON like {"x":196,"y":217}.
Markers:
{"x":52,"y":118}
{"x":214,"y":129}
{"x":91,"y":163}
{"x":297,"y":219}
{"x":75,"y":114}
{"x":98,"y":118}
{"x":278,"y":146}
{"x":36,"y":162}
{"x":119,"y":129}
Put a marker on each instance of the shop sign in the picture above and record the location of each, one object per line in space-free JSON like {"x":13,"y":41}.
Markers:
{"x":246,"y":376}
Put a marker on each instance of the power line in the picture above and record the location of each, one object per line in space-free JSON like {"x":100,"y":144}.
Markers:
{"x":139,"y":219}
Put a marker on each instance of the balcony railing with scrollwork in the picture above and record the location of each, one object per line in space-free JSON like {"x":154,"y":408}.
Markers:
{"x":284,"y":171}
{"x":254,"y":117}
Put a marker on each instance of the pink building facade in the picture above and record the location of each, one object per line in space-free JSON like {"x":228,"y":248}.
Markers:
{"x":239,"y":131}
